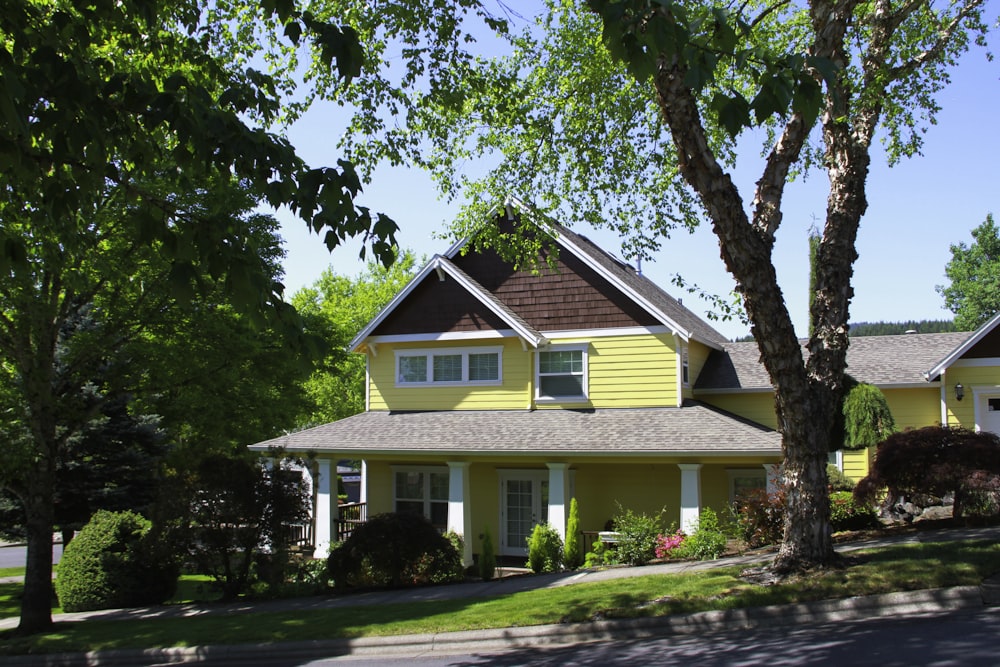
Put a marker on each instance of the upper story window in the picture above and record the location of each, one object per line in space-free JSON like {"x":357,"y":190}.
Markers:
{"x":473,"y":365}
{"x":685,"y":367}
{"x":562,"y":374}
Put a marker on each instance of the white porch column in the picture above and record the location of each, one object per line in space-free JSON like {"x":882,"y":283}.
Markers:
{"x":690,"y":495}
{"x":363,"y":489}
{"x":325,"y":493}
{"x":773,"y":476}
{"x":459,"y":512}
{"x":559,"y":497}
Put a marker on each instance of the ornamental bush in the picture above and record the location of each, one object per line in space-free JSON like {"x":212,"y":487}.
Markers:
{"x":394,"y":550}
{"x":668,"y":546}
{"x":114,"y":562}
{"x":848,"y":514}
{"x":934,"y":460}
{"x":572,"y":558}
{"x":545,"y":549}
{"x":487,"y":557}
{"x":637,"y":534}
{"x":707,"y":542}
{"x":759,"y":517}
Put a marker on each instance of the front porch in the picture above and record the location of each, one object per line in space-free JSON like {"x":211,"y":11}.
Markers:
{"x":512,"y":496}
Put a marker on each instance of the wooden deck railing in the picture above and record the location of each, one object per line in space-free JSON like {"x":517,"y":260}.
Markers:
{"x":352,"y":515}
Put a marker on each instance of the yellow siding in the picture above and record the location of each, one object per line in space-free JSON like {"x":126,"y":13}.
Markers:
{"x":622,"y":371}
{"x":511,"y":395}
{"x":857,"y":463}
{"x":636,"y":371}
{"x":697,"y":356}
{"x":756,"y":406}
{"x":914,"y":408}
{"x":963,"y":413}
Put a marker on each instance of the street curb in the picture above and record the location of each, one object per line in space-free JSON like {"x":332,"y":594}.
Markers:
{"x":910,"y":603}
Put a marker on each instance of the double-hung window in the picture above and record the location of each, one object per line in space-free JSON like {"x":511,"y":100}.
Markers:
{"x":562,"y":374}
{"x":423,"y":491}
{"x":473,"y":365}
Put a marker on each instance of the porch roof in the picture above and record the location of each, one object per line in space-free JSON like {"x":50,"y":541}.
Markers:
{"x":880,"y":360}
{"x":695,"y":429}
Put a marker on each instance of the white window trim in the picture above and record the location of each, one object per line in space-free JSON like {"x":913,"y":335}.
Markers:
{"x":685,"y":365}
{"x":427,"y":500}
{"x":733,"y":473}
{"x":430,"y":353}
{"x":585,"y":396}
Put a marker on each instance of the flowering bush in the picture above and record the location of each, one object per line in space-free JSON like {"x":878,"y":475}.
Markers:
{"x":665,"y":544}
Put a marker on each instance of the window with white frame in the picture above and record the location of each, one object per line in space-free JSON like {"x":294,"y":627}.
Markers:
{"x":685,"y":367}
{"x":474,"y":365}
{"x":423,"y":491}
{"x":746,"y":479}
{"x":562,"y":374}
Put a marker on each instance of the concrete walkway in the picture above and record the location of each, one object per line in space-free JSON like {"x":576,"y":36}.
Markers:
{"x":915,"y":602}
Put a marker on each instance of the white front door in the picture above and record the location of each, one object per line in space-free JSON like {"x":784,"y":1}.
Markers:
{"x":524,"y":502}
{"x":991,"y":414}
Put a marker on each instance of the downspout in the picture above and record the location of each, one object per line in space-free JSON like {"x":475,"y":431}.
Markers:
{"x":678,"y":362}
{"x":944,"y":399}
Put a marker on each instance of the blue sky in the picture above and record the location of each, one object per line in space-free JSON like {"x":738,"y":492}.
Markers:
{"x":917,"y":209}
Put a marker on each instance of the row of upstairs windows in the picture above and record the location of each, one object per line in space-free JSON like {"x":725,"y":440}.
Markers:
{"x":561,"y":372}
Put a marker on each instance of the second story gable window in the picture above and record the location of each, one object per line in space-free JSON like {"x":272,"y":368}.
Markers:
{"x":474,"y":365}
{"x":562,"y":374}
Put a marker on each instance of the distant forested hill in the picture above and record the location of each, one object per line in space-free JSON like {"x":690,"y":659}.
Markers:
{"x":892,"y":328}
{"x":889,"y":328}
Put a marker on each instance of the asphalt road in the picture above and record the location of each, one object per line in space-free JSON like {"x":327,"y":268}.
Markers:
{"x":14,"y":555}
{"x":965,"y":639}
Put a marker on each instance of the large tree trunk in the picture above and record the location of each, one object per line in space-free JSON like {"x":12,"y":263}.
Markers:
{"x":36,"y":605}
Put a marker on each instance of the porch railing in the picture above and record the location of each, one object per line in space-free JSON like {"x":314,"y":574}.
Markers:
{"x":352,"y":515}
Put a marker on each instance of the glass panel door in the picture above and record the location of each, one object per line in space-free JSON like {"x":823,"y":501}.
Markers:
{"x":519,"y":511}
{"x":524,"y":502}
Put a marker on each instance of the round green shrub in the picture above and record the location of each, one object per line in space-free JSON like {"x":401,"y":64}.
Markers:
{"x":707,"y":542}
{"x":636,"y":537}
{"x":394,"y":550}
{"x":545,"y":549}
{"x":115,"y":562}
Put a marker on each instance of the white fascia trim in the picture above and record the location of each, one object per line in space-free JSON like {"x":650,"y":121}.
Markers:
{"x":625,"y":289}
{"x":440,"y":263}
{"x":733,"y":390}
{"x":391,"y":306}
{"x":977,"y":336}
{"x":589,"y":261}
{"x":445,"y":336}
{"x":977,"y":363}
{"x":472,"y":289}
{"x":604,"y":333}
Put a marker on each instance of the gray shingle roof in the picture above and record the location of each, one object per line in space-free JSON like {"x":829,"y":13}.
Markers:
{"x":646,"y":288}
{"x":695,"y":428}
{"x":879,"y":360}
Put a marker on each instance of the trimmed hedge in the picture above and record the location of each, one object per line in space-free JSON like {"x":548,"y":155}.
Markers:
{"x":114,"y":563}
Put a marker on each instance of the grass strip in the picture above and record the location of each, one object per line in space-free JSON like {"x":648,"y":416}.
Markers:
{"x":882,"y":570}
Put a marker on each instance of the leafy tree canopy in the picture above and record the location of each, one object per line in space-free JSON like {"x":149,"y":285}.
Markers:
{"x":336,"y":308}
{"x":974,"y":274}
{"x":867,"y":418}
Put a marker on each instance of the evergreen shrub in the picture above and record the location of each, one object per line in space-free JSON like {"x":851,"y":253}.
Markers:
{"x":572,"y":558}
{"x":545,"y":549}
{"x":637,"y":535}
{"x":115,"y":562}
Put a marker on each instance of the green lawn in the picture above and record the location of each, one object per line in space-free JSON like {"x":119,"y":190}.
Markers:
{"x":903,"y":567}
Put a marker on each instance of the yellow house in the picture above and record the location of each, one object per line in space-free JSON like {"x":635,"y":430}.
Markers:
{"x":495,"y":395}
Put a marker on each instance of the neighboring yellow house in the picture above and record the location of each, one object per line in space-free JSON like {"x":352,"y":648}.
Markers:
{"x":496,"y":395}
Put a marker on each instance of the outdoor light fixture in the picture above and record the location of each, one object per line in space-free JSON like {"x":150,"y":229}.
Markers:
{"x":959,"y":391}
